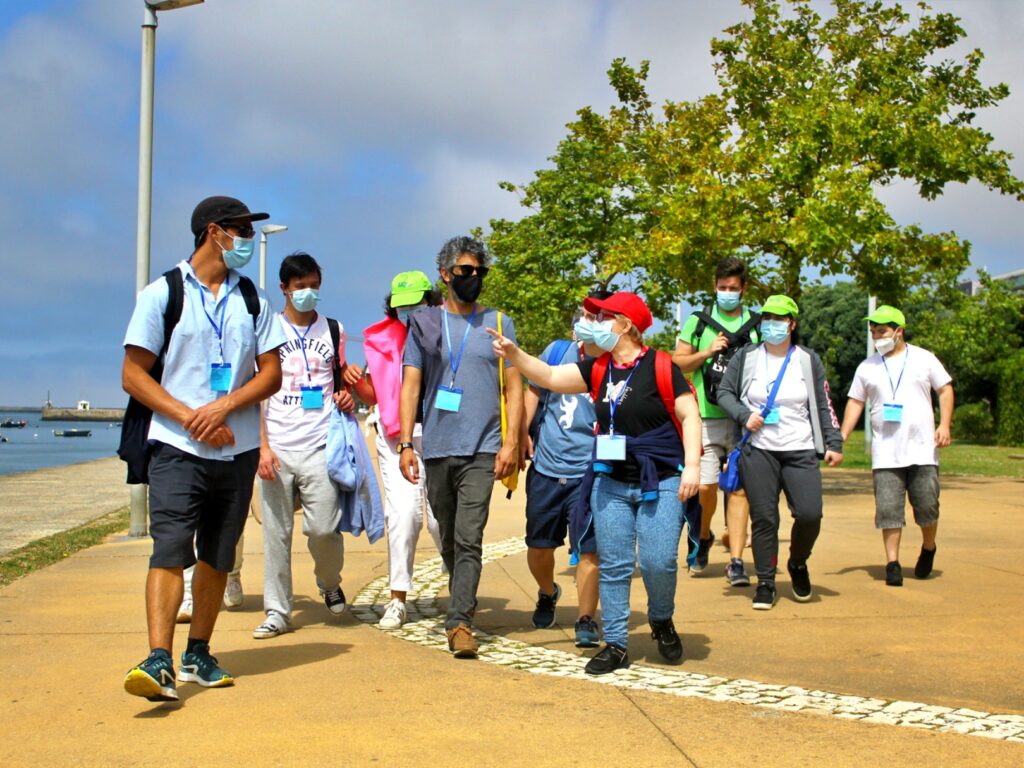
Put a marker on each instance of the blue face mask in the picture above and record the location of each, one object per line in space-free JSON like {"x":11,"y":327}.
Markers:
{"x":774,"y":331}
{"x":604,"y":337}
{"x":728,"y":300}
{"x":241,"y":252}
{"x":305,"y":299}
{"x":404,"y":313}
{"x":584,"y":330}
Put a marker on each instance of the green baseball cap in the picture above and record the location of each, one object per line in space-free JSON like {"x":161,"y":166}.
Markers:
{"x":779,"y":304}
{"x":408,"y":288}
{"x":885,"y":314}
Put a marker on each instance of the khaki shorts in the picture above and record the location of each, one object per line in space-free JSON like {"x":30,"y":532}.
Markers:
{"x":719,"y":437}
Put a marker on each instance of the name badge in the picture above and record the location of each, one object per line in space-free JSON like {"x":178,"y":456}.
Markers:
{"x":611,"y":448}
{"x":312,"y":398}
{"x":220,"y":377}
{"x":892,"y":413}
{"x":773,"y":416}
{"x":448,"y":399}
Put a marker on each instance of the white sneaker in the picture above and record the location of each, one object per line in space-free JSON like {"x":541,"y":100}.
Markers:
{"x":185,"y":610}
{"x":394,"y":615}
{"x":233,"y":594}
{"x":272,"y":627}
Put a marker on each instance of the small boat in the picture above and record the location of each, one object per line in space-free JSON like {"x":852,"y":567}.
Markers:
{"x":3,"y":439}
{"x":72,"y":432}
{"x":12,"y":424}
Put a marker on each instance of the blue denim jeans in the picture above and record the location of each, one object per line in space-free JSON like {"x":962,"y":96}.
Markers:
{"x":629,"y":530}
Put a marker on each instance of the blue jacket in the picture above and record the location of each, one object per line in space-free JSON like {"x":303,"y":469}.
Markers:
{"x":659,"y":447}
{"x":348,"y":465}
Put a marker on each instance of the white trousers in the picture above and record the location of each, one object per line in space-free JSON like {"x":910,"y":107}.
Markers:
{"x":404,"y":505}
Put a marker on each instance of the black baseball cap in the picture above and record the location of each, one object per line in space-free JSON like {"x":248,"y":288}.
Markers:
{"x":221,"y":209}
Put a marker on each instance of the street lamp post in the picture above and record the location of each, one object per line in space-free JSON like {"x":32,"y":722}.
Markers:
{"x":872,"y":303}
{"x":266,"y":229}
{"x":138,"y":520}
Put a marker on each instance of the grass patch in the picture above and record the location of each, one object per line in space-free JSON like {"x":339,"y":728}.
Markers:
{"x":55,"y":548}
{"x":957,"y":459}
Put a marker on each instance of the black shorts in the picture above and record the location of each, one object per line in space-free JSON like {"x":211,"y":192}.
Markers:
{"x":549,"y":502}
{"x":197,"y":507}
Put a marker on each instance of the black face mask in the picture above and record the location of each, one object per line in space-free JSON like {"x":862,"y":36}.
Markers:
{"x":467,"y":289}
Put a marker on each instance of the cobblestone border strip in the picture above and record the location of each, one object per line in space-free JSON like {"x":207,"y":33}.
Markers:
{"x":424,"y":627}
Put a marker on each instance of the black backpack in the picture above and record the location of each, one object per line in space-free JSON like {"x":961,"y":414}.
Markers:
{"x":134,"y":448}
{"x":715,"y":367}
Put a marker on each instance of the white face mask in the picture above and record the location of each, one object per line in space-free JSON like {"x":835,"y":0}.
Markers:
{"x":886,"y":345}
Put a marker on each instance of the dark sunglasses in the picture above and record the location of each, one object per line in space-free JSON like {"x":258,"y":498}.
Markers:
{"x":244,"y":228}
{"x":465,"y":270}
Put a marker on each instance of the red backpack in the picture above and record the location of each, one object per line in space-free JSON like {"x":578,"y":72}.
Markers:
{"x":662,"y":375}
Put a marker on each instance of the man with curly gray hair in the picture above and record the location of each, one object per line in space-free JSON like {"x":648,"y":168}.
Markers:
{"x":450,"y":373}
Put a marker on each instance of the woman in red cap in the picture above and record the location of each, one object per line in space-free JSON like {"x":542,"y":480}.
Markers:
{"x":646,"y":464}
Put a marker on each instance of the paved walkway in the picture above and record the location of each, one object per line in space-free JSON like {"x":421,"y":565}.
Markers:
{"x":755,"y":688}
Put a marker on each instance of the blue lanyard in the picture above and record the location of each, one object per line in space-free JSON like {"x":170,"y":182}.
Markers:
{"x":900,"y":379}
{"x":613,"y":403}
{"x":782,"y":369}
{"x":218,"y":329}
{"x":455,"y":362}
{"x":302,"y":343}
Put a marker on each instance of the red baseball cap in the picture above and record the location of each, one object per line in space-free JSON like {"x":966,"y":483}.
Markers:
{"x":623,"y":303}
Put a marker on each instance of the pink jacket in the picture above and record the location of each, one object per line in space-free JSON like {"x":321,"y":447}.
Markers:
{"x":383,"y":344}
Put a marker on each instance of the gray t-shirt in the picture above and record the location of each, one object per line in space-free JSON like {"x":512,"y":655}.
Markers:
{"x":566,"y":438}
{"x":476,"y":426}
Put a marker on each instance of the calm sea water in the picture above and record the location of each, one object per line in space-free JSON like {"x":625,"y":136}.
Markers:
{"x":35,"y":446}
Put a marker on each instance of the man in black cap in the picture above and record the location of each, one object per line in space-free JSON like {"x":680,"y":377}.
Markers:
{"x":220,"y":361}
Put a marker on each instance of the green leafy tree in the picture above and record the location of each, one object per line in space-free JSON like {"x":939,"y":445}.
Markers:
{"x":781,"y":167}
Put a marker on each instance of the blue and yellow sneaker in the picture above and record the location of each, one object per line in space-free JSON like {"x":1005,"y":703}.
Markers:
{"x":586,"y":633}
{"x":200,"y":667}
{"x":153,"y":679}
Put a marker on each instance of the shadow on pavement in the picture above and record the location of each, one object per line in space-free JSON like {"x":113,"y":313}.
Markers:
{"x":274,"y":658}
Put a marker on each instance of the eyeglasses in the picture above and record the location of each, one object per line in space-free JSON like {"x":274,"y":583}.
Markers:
{"x":465,"y":270}
{"x":603,"y":316}
{"x":244,"y":229}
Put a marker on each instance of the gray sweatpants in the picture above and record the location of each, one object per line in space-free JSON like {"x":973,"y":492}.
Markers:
{"x":304,"y":473}
{"x":798,"y":475}
{"x":459,"y":490}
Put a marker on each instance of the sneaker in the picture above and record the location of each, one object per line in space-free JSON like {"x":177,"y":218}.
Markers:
{"x":800,"y":580}
{"x":394,"y":615}
{"x":703,"y":549}
{"x":764,"y":598}
{"x":669,"y":645}
{"x":233,"y":594}
{"x":200,"y":667}
{"x":925,"y":561}
{"x":185,"y":610}
{"x":153,"y":679}
{"x":586,"y":633}
{"x":461,"y":642}
{"x":608,"y":659}
{"x":334,"y":599}
{"x":893,"y":574}
{"x":544,"y":613}
{"x":735,"y":574}
{"x":271,"y":627}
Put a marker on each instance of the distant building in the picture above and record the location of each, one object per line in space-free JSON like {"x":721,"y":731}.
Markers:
{"x":1015,"y":279}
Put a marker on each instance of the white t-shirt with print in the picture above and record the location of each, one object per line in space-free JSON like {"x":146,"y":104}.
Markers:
{"x":793,"y":431}
{"x":290,"y":427}
{"x":911,"y":441}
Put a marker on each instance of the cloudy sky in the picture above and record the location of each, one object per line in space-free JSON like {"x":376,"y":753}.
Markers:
{"x":374,"y":130}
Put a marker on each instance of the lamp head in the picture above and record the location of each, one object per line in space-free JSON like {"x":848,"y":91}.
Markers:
{"x":269,"y":229}
{"x":170,"y":5}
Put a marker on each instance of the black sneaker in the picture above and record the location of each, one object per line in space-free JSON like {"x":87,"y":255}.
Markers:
{"x":669,"y":645}
{"x":334,"y":599}
{"x":925,"y":561}
{"x":764,"y":598}
{"x":801,"y":581}
{"x":544,"y":613}
{"x":608,"y":659}
{"x":893,"y":574}
{"x":703,"y":549}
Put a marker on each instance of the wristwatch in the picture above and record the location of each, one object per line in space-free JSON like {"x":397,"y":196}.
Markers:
{"x":403,"y":446}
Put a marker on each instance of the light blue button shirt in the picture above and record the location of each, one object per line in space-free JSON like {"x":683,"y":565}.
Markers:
{"x":194,"y":346}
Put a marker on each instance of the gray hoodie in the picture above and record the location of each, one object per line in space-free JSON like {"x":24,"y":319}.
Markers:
{"x":732,"y":395}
